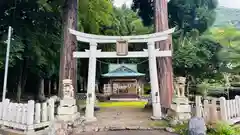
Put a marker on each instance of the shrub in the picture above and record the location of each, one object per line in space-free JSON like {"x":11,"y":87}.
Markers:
{"x":147,"y":89}
{"x":218,"y":129}
{"x":181,"y":129}
{"x":224,"y":129}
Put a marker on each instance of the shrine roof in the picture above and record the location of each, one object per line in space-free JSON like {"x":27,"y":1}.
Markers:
{"x":123,"y":70}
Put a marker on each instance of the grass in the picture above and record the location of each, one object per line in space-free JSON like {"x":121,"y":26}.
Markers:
{"x":161,"y":123}
{"x":135,"y":104}
{"x":81,"y":102}
{"x":237,"y":128}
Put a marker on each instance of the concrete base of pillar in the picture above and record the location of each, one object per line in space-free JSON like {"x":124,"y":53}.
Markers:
{"x":181,"y":108}
{"x":67,"y":110}
{"x":71,"y":117}
{"x":156,"y":118}
{"x":157,"y":113}
{"x":90,"y":119}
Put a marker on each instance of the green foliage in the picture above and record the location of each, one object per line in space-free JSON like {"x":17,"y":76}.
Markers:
{"x":147,"y":89}
{"x":161,"y":123}
{"x":196,"y":56}
{"x":185,"y":52}
{"x":185,"y":14}
{"x":129,"y":23}
{"x":229,"y":39}
{"x":94,"y":14}
{"x":36,"y":33}
{"x":16,"y":48}
{"x":203,"y":88}
{"x":188,"y":15}
{"x":219,"y":129}
{"x":224,"y":129}
{"x":181,"y":129}
{"x":126,"y":22}
{"x":37,"y":36}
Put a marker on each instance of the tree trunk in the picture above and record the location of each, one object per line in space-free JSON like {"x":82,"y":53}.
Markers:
{"x":165,"y":70}
{"x":55,"y":86}
{"x":20,"y":81}
{"x":49,"y":87}
{"x":41,"y":94}
{"x":19,"y":88}
{"x":85,"y":86}
{"x":68,"y":65}
{"x":24,"y":75}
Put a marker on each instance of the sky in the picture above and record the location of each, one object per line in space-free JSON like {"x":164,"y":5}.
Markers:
{"x":225,"y":3}
{"x":230,"y":3}
{"x":119,"y":3}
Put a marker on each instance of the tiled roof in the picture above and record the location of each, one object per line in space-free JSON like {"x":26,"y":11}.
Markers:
{"x":123,"y":71}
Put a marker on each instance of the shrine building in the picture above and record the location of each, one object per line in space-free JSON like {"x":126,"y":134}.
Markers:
{"x":123,"y":82}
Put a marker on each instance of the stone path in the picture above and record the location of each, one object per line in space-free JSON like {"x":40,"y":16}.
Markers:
{"x":128,"y":132}
{"x":122,"y":117}
{"x":125,"y":119}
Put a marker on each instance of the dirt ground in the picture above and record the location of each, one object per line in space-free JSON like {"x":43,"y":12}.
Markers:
{"x":122,"y":117}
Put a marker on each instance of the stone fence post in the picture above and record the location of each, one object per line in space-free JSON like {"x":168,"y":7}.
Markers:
{"x":198,"y":106}
{"x":223,"y":109}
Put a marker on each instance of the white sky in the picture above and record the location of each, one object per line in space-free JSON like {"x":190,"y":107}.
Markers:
{"x":119,"y":3}
{"x":230,"y":3}
{"x":225,"y":3}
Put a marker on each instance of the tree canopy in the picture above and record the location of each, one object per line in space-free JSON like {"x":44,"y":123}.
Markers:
{"x":38,"y":28}
{"x":37,"y":37}
{"x":229,"y":38}
{"x":185,"y":14}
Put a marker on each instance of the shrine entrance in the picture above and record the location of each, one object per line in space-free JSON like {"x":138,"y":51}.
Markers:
{"x":122,"y":52}
{"x":122,"y":82}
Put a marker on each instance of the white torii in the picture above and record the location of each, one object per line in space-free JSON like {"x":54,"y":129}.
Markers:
{"x":93,"y":53}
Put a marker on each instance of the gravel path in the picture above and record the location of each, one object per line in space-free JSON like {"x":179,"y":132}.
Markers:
{"x":122,"y":117}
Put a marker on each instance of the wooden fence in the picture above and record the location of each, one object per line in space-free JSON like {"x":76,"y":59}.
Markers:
{"x":219,"y":109}
{"x":26,"y":117}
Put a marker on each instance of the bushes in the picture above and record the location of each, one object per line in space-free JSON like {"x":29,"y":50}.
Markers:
{"x":147,"y":89}
{"x":218,"y":129}
{"x":181,"y":129}
{"x":223,"y":129}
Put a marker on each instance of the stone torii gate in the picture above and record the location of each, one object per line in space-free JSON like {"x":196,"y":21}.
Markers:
{"x":93,"y":54}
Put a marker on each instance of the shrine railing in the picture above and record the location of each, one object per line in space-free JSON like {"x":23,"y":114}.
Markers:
{"x":28,"y":116}
{"x":219,"y":109}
